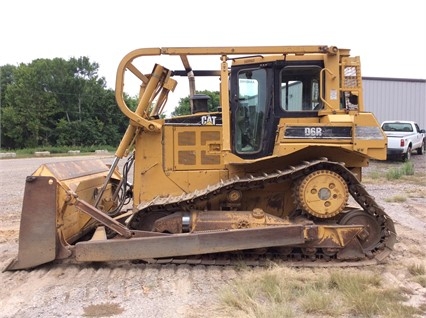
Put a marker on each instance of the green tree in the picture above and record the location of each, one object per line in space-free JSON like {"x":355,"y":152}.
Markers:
{"x":6,"y":78}
{"x":58,"y":102}
{"x":29,"y":106}
{"x":184,"y":106}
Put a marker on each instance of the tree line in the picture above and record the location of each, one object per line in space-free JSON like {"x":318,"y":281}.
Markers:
{"x":58,"y":102}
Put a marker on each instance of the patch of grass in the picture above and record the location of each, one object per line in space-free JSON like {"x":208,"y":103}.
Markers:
{"x":406,"y":169}
{"x":375,"y":175}
{"x":286,"y":292}
{"x":395,"y":171}
{"x":393,"y":174}
{"x":396,"y":198}
{"x":316,"y":301}
{"x":419,"y":273}
{"x":417,"y":269}
{"x":418,"y":179}
{"x":416,"y":193}
{"x":103,"y":310}
{"x":421,"y":280}
{"x":60,"y":150}
{"x":367,"y":297}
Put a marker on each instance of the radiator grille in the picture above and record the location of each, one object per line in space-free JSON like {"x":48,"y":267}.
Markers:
{"x":209,"y":136}
{"x":197,"y":148}
{"x":186,"y":138}
{"x":186,"y":158}
{"x":209,"y":159}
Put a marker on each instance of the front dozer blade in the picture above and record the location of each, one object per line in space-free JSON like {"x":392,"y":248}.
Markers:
{"x":37,"y":235}
{"x":50,"y":221}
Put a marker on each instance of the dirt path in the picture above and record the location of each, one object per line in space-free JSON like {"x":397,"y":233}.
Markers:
{"x":124,"y":289}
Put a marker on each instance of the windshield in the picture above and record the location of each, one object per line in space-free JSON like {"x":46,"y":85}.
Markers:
{"x":402,"y":127}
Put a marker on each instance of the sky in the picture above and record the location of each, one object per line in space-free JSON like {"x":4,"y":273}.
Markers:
{"x":388,"y":35}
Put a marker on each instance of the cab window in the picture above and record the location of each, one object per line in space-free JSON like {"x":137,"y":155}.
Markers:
{"x":251,"y":110}
{"x":300,"y":88}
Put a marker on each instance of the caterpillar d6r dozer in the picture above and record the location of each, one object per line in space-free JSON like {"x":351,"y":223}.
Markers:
{"x":273,"y":174}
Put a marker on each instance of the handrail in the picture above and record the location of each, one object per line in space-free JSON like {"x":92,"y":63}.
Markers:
{"x":150,"y":86}
{"x":321,"y":92}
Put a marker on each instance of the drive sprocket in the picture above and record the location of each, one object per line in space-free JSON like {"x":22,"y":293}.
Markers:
{"x":322,"y":193}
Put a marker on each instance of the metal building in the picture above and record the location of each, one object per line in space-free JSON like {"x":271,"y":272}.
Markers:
{"x":396,"y":99}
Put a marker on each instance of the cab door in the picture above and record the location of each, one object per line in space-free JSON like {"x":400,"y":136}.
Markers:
{"x":252,"y":121}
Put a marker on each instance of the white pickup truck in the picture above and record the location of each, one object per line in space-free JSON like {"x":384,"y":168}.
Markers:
{"x":403,"y":138}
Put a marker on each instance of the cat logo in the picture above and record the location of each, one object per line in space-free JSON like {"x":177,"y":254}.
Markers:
{"x":208,"y":120}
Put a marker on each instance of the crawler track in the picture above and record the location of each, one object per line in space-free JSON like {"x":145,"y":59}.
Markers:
{"x":374,"y":254}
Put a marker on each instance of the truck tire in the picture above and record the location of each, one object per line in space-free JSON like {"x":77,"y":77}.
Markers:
{"x":421,"y":150}
{"x":407,"y":155}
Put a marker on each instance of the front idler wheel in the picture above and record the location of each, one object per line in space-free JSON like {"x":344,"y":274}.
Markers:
{"x":372,"y":234}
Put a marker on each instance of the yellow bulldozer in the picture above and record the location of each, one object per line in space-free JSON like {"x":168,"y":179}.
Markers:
{"x":273,"y":174}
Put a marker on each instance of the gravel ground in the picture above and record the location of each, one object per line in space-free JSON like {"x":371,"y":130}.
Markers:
{"x":124,"y":289}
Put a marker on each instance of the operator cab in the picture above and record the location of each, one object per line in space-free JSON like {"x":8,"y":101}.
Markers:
{"x":262,"y":94}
